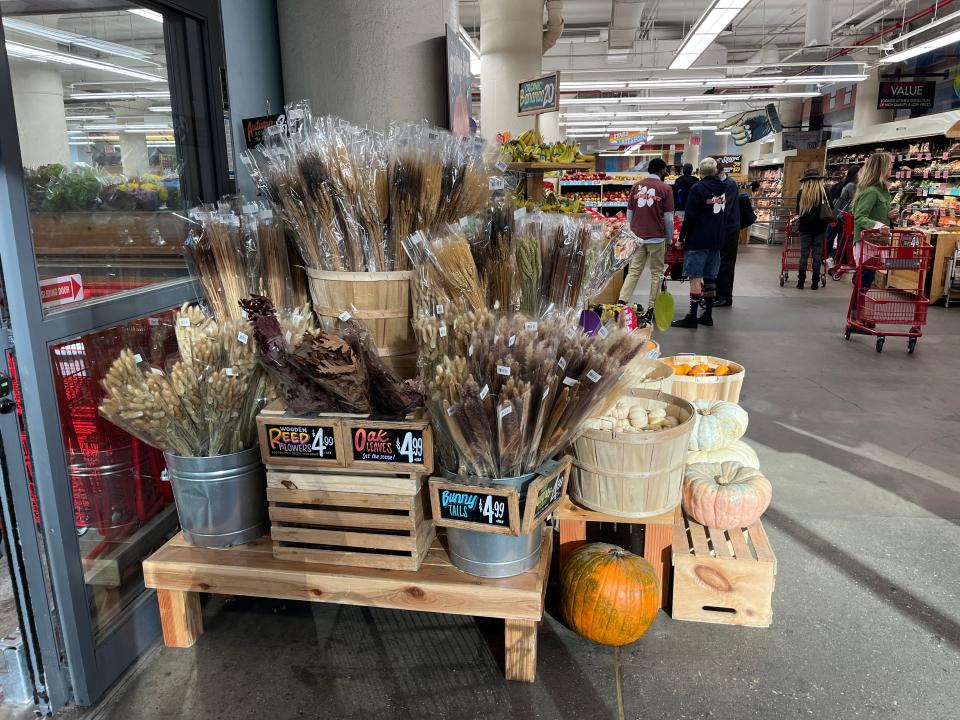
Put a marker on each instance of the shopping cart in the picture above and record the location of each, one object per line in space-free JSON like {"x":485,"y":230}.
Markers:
{"x":790,"y":256}
{"x":890,"y":250}
{"x":843,"y":258}
{"x":673,"y":256}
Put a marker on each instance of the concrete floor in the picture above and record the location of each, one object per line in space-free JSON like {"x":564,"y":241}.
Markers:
{"x":862,"y":451}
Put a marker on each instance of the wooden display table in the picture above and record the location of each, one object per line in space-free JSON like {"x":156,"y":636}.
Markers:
{"x":180,"y":572}
{"x":657,"y":538}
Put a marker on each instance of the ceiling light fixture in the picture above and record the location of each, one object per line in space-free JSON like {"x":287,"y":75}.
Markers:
{"x":642,"y":113}
{"x":921,"y":48}
{"x":722,"y":132}
{"x":132,"y":95}
{"x":928,"y":26}
{"x":148,"y":14}
{"x":161,"y":108}
{"x":653,"y":99}
{"x":29,"y":52}
{"x":68,"y":38}
{"x":703,"y":127}
{"x":753,"y":81}
{"x":79,"y":118}
{"x":716,"y":18}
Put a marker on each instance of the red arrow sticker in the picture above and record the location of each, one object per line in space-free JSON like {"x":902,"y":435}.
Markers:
{"x":61,"y":290}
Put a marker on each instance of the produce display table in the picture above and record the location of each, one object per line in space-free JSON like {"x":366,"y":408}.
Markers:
{"x":657,"y":539}
{"x":179,"y":572}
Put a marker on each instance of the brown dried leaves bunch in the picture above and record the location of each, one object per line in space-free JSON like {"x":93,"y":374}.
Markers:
{"x":205,"y":403}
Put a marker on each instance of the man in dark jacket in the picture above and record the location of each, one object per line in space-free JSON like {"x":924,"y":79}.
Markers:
{"x":731,"y":244}
{"x":681,"y":188}
{"x":701,"y":237}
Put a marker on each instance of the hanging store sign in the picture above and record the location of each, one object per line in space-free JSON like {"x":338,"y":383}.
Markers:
{"x":61,"y":290}
{"x":627,"y":137}
{"x":539,"y":96}
{"x":255,"y":129}
{"x":459,"y":81}
{"x":802,"y":139}
{"x":906,"y":94}
{"x":731,"y":164}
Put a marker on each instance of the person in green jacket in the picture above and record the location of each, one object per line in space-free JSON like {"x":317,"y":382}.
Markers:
{"x":871,"y":205}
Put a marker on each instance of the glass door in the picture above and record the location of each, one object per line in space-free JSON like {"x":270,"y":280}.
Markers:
{"x":117,"y":125}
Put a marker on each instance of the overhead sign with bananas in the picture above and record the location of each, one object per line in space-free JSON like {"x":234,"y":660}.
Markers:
{"x":541,"y":95}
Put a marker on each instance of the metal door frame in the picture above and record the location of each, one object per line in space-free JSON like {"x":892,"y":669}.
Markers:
{"x":89,"y":664}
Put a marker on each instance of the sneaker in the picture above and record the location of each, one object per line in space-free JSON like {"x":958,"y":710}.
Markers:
{"x":705,"y":320}
{"x":830,"y":263}
{"x":723,"y":302}
{"x":688,"y":321}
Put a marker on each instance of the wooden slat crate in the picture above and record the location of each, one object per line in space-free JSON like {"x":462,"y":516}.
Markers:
{"x":346,"y":517}
{"x":721,"y":576}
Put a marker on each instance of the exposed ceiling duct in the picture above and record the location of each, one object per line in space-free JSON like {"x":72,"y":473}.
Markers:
{"x":819,"y":21}
{"x":554,"y":24}
{"x":624,"y":23}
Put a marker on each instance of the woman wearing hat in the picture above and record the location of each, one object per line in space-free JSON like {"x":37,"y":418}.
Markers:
{"x":813,"y":207}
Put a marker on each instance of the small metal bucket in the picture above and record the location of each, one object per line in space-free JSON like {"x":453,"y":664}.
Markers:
{"x":490,"y":554}
{"x":221,"y":500}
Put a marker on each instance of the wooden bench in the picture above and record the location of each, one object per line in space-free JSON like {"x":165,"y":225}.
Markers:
{"x":179,"y":572}
{"x":657,"y":539}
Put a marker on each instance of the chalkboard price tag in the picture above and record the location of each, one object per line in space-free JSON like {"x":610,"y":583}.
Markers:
{"x":544,"y":494}
{"x":293,"y":440}
{"x":485,"y":509}
{"x":398,"y":446}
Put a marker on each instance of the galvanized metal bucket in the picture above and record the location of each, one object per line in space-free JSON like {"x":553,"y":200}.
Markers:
{"x":490,"y":554}
{"x":221,"y":500}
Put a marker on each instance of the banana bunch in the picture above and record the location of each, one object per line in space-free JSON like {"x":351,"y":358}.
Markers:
{"x":529,"y":147}
{"x":553,"y":203}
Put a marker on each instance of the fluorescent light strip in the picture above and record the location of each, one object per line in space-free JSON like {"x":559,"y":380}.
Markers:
{"x":80,"y":118}
{"x":133,"y":95}
{"x":29,"y":52}
{"x":132,"y":127}
{"x":642,"y":113}
{"x":148,"y":14}
{"x":722,"y":132}
{"x":602,"y":121}
{"x":928,"y":26}
{"x":68,"y":38}
{"x":703,"y":127}
{"x":924,"y":47}
{"x":161,"y":108}
{"x":758,"y":81}
{"x":640,"y":100}
{"x":720,"y":14}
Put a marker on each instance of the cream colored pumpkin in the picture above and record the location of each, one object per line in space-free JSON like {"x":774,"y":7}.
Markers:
{"x":726,"y":495}
{"x":737,"y":452}
{"x":717,"y":424}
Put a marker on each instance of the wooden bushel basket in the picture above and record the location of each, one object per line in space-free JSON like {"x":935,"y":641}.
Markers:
{"x":634,"y":474}
{"x":660,"y":379}
{"x":382,"y":301}
{"x":726,"y":387}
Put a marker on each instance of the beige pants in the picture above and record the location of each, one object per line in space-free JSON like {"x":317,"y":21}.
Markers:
{"x":648,"y":251}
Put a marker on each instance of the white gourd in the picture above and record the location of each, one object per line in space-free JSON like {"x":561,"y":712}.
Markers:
{"x":657,"y":413}
{"x":737,"y":452}
{"x":717,"y":424}
{"x":638,"y":417}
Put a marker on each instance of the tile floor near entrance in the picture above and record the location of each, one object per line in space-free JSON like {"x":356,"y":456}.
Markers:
{"x":862,"y":450}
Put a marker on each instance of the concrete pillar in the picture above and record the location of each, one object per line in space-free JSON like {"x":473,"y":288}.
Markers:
{"x":550,"y":127}
{"x":750,"y":152}
{"x":511,"y":50}
{"x":691,"y":153}
{"x":791,"y":114}
{"x":134,"y":154}
{"x":41,"y":120}
{"x":865,"y":113}
{"x":371,"y":62}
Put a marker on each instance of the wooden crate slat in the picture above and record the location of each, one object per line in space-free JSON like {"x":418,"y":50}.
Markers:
{"x":740,"y":545}
{"x":699,"y":539}
{"x":378,"y":484}
{"x":340,"y":537}
{"x":339,"y":499}
{"x":681,"y":537}
{"x":761,"y":543}
{"x":345,"y":557}
{"x":718,"y":540}
{"x":310,"y":516}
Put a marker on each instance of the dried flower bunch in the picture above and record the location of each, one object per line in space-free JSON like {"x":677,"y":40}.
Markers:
{"x":350,"y":195}
{"x":204,"y":404}
{"x":507,"y":392}
{"x":236,"y":249}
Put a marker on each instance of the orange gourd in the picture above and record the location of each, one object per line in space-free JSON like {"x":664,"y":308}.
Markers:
{"x":609,"y":595}
{"x":723,"y":370}
{"x":681,"y":369}
{"x":701,"y":370}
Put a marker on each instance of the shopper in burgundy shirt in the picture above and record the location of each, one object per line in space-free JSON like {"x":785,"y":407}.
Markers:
{"x":650,"y":214}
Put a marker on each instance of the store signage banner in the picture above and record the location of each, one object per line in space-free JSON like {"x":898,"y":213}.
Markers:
{"x":539,"y":96}
{"x":255,"y":129}
{"x":301,"y":441}
{"x":731,"y":164}
{"x":906,"y":94}
{"x":802,"y":139}
{"x":482,"y":508}
{"x":394,"y":445}
{"x":459,"y":80}
{"x":627,"y":137}
{"x":61,"y":290}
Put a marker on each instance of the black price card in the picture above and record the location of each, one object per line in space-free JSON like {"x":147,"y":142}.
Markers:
{"x":290,"y":440}
{"x":548,"y":495}
{"x":393,"y":445}
{"x":544,"y":494}
{"x":475,"y":508}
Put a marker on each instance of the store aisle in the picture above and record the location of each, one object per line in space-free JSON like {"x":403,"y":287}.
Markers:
{"x":865,"y":521}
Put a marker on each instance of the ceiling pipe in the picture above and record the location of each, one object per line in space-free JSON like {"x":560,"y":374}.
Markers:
{"x":554,"y":24}
{"x":890,"y":28}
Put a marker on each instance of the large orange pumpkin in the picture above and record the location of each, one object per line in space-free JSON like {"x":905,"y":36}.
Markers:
{"x":609,"y":595}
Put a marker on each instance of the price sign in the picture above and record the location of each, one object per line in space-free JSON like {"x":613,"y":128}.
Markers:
{"x":485,"y":509}
{"x":292,"y":440}
{"x":398,"y":446}
{"x":545,"y":494}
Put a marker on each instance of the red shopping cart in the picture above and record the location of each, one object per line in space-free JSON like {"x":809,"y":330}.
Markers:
{"x":899,"y":249}
{"x":790,"y":256}
{"x":843,"y":258}
{"x":673,"y":256}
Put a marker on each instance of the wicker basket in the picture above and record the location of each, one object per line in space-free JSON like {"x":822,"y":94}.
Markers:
{"x":726,"y":387}
{"x":634,"y":475}
{"x":661,"y":379}
{"x":382,"y":302}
